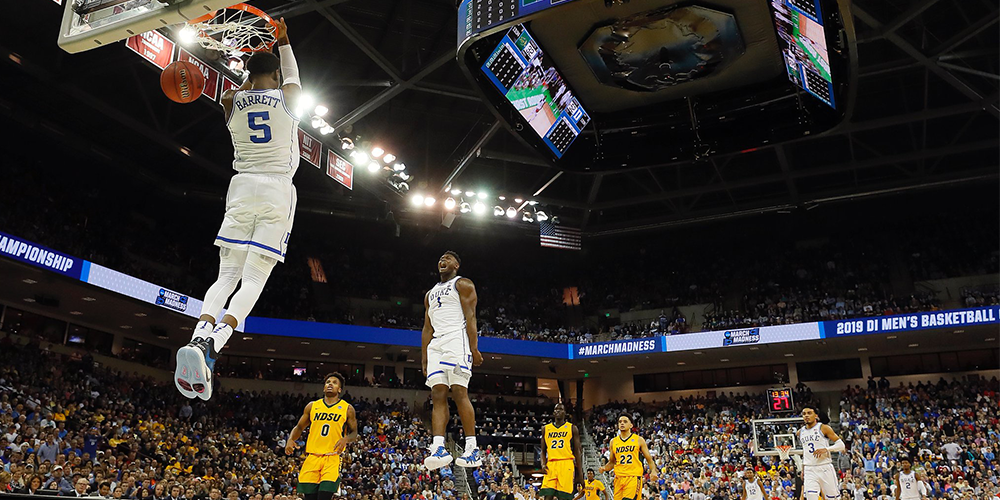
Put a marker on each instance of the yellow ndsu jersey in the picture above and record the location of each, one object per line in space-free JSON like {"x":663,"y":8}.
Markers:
{"x":627,"y":456}
{"x":559,"y":441}
{"x":326,"y":426}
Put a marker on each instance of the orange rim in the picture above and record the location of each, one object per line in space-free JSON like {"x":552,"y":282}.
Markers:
{"x":250,"y":9}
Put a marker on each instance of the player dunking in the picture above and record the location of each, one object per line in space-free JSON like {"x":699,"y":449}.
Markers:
{"x":332,"y":426}
{"x":260,"y":207}
{"x":819,"y":479}
{"x":560,"y":457}
{"x":450,"y":350}
{"x":627,"y":450}
{"x":909,"y":486}
{"x":752,"y":489}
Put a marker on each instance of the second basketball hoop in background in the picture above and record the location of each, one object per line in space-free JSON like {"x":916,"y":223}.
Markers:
{"x":182,"y":82}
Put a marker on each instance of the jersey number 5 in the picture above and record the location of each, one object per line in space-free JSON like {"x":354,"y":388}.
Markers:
{"x":260,"y":127}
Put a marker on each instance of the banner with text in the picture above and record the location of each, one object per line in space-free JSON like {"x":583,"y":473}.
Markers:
{"x":912,"y":321}
{"x":340,"y":169}
{"x":743,"y":336}
{"x":310,"y":149}
{"x":39,"y":256}
{"x":211,"y":74}
{"x":616,"y":348}
{"x":154,"y":47}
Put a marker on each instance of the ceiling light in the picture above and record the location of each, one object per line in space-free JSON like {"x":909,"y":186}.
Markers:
{"x":399,"y":167}
{"x":360,"y":156}
{"x":29,"y":300}
{"x":304,"y":342}
{"x":594,"y":361}
{"x":327,"y":130}
{"x":465,"y":207}
{"x":724,"y":360}
{"x":377,"y":151}
{"x":389,"y":158}
{"x":511,"y":212}
{"x":417,"y":199}
{"x":376,"y":357}
{"x":317,"y":122}
{"x":754,"y":348}
{"x":991,"y":339}
{"x":546,"y":361}
{"x":470,"y":194}
{"x":125,"y":327}
{"x":186,"y":328}
{"x":890,"y":337}
{"x":582,"y":371}
{"x":789,"y":355}
{"x":321,"y":110}
{"x":89,"y":299}
{"x":518,"y":200}
{"x":497,"y":211}
{"x":162,"y":337}
{"x":429,"y":201}
{"x":306,"y":101}
{"x":532,"y":203}
{"x":862,"y":349}
{"x":361,"y":346}
{"x":478,"y":207}
{"x":404,"y":176}
{"x":481,"y":195}
{"x":528,"y":217}
{"x":506,"y":368}
{"x":449,"y":203}
{"x":75,"y":313}
{"x":247,"y":338}
{"x":140,"y":315}
{"x":346,"y":143}
{"x":501,"y":198}
{"x":404,"y":350}
{"x":541,"y":216}
{"x":29,"y":281}
{"x":187,"y":35}
{"x":456,"y":192}
{"x":913,"y":345}
{"x":373,"y":167}
{"x":959,"y":331}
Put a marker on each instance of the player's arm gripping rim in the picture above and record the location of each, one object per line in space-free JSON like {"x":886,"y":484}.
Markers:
{"x":425,"y":338}
{"x":467,"y":292}
{"x":577,"y":458}
{"x":297,"y":431}
{"x":653,"y":469}
{"x":832,"y":437}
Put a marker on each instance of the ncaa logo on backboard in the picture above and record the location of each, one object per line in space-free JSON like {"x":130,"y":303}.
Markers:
{"x":740,"y":337}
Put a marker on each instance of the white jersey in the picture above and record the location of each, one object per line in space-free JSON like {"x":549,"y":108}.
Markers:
{"x":753,"y":490}
{"x":909,"y":487}
{"x":813,"y":439}
{"x":445,"y":309}
{"x":265,"y":133}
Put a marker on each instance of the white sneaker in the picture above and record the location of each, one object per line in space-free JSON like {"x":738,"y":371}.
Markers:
{"x":438,"y":459}
{"x":193,"y":374}
{"x":472,"y":458}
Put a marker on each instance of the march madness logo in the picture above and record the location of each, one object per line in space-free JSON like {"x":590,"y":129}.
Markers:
{"x":740,"y":337}
{"x":172,"y":300}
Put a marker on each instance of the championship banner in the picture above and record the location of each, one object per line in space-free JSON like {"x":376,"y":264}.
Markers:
{"x":154,"y":47}
{"x":912,"y":322}
{"x":340,"y":170}
{"x":616,"y":348}
{"x":211,"y":74}
{"x":39,"y":256}
{"x":310,"y":149}
{"x":228,"y":84}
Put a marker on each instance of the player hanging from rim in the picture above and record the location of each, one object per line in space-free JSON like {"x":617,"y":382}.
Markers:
{"x":593,"y":489}
{"x":819,"y":478}
{"x":909,"y":484}
{"x":260,"y":207}
{"x":450,"y":348}
{"x":625,"y":460}
{"x":336,"y":426}
{"x":752,"y":489}
{"x":560,"y":457}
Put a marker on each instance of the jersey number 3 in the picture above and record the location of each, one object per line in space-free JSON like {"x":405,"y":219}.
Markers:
{"x":260,"y":127}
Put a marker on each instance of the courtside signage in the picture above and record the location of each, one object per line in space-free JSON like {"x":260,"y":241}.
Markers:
{"x":39,"y":256}
{"x":912,"y":322}
{"x":615,"y":348}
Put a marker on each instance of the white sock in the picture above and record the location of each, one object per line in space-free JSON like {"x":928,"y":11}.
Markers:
{"x":470,"y":443}
{"x":202,"y":331}
{"x":221,"y":335}
{"x":438,"y":441}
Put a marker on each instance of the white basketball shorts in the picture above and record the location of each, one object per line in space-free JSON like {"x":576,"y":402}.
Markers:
{"x":820,"y":482}
{"x":260,"y":209}
{"x":449,"y":360}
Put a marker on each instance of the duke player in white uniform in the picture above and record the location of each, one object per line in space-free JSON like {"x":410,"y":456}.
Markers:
{"x":908,"y":485}
{"x":450,"y":350}
{"x":752,"y":489}
{"x":260,"y":206}
{"x":819,"y":478}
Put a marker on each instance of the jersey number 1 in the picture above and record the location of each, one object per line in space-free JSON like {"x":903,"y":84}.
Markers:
{"x":260,"y":127}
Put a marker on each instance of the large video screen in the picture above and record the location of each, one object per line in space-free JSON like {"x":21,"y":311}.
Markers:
{"x":520,"y":70}
{"x":803,"y":44}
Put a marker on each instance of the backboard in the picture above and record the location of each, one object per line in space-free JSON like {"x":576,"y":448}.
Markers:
{"x":88,"y":24}
{"x":770,"y":433}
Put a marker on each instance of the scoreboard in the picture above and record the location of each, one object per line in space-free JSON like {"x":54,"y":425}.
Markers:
{"x":475,"y":16}
{"x":780,"y":400}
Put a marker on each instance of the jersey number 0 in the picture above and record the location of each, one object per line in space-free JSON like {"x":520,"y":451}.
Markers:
{"x":260,"y":127}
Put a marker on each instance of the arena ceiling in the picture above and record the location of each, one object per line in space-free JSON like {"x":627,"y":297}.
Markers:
{"x":924,"y":116}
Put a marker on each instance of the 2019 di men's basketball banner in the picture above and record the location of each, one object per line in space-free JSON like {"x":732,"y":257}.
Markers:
{"x":910,"y":322}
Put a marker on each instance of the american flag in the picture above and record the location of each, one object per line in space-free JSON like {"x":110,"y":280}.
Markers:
{"x":554,"y":236}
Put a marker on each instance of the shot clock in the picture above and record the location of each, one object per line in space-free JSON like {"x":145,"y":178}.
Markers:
{"x":780,"y":400}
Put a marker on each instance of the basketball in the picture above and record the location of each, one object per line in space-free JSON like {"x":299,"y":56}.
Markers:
{"x":182,"y":82}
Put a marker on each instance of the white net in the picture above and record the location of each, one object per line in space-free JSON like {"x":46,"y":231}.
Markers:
{"x":235,"y":30}
{"x":783,"y":451}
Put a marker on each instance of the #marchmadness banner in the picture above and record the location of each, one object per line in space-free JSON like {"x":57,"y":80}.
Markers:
{"x":616,"y":348}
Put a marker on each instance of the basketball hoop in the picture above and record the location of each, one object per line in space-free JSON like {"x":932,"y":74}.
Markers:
{"x":783,"y":451}
{"x":239,"y":28}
